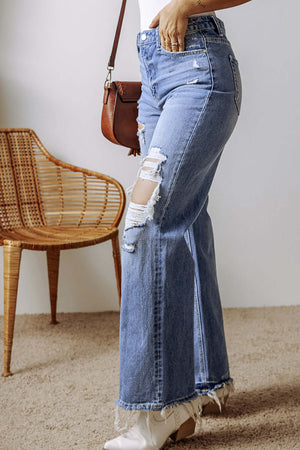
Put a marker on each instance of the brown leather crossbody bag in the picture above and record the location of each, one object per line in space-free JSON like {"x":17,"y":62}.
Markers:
{"x":119,"y":110}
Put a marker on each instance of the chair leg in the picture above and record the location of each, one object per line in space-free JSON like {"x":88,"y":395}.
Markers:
{"x":12,"y":259}
{"x":117,"y":261}
{"x":53,"y":267}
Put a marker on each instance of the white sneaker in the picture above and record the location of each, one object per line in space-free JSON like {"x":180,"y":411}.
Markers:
{"x":153,"y":428}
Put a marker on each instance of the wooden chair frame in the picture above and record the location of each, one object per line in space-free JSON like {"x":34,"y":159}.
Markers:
{"x":48,"y":204}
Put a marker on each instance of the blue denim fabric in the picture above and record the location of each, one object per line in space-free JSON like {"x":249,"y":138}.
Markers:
{"x":172,"y":343}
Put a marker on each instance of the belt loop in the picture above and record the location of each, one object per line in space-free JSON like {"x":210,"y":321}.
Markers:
{"x":216,"y":22}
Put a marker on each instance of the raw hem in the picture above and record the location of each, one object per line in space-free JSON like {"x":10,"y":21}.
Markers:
{"x":216,"y":394}
{"x":193,"y":404}
{"x":155,"y":406}
{"x":206,"y":391}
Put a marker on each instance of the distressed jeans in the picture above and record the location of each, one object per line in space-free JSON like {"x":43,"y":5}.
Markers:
{"x":172,"y":342}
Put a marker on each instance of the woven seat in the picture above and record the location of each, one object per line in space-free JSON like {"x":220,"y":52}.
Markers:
{"x":41,"y":238}
{"x":47,"y":204}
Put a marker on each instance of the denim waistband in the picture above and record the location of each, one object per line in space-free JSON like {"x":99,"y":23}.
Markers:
{"x":199,"y":23}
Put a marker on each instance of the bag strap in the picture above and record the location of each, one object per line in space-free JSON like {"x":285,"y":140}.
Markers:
{"x":111,"y":61}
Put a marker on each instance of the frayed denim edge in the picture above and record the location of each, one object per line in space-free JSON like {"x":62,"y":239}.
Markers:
{"x":155,"y":406}
{"x":203,"y":391}
{"x":217,"y":393}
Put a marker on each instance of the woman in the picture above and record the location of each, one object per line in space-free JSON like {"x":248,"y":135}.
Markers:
{"x":173,"y":357}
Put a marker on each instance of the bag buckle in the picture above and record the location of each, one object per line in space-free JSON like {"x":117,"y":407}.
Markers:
{"x":107,"y":82}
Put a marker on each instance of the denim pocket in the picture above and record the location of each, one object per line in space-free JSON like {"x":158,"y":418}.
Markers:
{"x":193,"y":44}
{"x":237,"y":81}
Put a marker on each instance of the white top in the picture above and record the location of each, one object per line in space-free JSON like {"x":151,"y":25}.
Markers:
{"x":149,"y":9}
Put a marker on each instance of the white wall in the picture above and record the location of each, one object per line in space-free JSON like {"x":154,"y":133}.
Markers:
{"x":53,"y":57}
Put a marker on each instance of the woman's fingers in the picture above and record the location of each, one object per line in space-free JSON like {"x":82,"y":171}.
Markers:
{"x":166,"y":41}
{"x":172,"y":27}
{"x":181,"y":27}
{"x":170,"y":39}
{"x":174,"y":35}
{"x":154,"y":22}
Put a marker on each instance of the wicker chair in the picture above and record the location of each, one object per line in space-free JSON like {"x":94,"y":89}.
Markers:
{"x":47,"y":204}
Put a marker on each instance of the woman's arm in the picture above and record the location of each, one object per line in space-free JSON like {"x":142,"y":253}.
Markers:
{"x":199,"y":6}
{"x":173,"y":18}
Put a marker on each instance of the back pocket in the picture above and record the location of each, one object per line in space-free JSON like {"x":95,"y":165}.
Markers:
{"x":237,"y":81}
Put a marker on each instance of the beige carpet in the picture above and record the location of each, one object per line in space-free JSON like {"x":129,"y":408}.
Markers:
{"x":65,"y":381}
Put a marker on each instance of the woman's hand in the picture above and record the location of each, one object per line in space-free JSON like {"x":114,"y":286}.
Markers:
{"x":172,"y":20}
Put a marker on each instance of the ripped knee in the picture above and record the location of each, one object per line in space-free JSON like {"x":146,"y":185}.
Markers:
{"x":146,"y":189}
{"x":141,"y":132}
